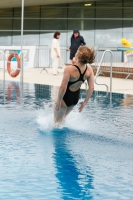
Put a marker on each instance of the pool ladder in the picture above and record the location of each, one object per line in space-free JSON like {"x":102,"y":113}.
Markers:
{"x":98,"y":70}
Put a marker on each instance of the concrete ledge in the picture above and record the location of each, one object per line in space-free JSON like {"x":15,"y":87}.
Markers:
{"x":33,"y":75}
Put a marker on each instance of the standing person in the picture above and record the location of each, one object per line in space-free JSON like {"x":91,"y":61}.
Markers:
{"x":128,"y":53}
{"x":76,"y":41}
{"x":74,"y":76}
{"x":55,"y":53}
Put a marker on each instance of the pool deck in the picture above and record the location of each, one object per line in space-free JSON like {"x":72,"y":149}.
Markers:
{"x":33,"y":75}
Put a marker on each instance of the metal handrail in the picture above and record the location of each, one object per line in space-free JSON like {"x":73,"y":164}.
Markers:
{"x":97,"y":73}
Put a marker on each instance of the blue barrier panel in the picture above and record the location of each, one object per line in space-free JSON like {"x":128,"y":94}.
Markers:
{"x":124,"y":48}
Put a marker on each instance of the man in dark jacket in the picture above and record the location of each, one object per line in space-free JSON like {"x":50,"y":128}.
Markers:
{"x":76,"y":41}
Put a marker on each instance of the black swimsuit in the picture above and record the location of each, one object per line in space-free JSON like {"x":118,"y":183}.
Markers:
{"x":71,"y":98}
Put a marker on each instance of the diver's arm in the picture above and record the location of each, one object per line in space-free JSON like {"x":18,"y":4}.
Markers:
{"x":62,"y":88}
{"x":90,"y":82}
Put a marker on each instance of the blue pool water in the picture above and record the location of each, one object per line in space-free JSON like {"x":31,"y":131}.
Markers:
{"x":89,"y":157}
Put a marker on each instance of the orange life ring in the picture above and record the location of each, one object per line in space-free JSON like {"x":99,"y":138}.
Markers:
{"x":11,"y":72}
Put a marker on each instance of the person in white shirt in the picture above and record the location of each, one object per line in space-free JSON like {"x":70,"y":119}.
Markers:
{"x":55,"y":53}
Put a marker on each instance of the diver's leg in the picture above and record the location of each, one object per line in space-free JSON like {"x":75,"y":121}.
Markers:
{"x":69,"y":109}
{"x":60,"y":114}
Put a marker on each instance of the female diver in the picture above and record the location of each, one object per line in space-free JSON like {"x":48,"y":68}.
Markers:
{"x":73,"y":78}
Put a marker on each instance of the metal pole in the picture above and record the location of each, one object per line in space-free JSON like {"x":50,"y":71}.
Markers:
{"x":97,"y":73}
{"x":4,"y":65}
{"x":111,"y":61}
{"x":21,"y":57}
{"x":4,"y":77}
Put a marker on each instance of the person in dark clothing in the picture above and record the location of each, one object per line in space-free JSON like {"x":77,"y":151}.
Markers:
{"x":76,"y":41}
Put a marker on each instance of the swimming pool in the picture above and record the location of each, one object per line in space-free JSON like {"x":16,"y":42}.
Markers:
{"x":89,"y":157}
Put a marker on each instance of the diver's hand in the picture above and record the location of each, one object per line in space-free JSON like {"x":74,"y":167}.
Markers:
{"x":57,"y":105}
{"x":82,"y":106}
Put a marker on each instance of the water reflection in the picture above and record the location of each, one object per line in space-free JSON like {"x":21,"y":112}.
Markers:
{"x":13,"y":92}
{"x":102,"y":99}
{"x":36,"y":95}
{"x":74,"y":183}
{"x":42,"y":91}
{"x":128,"y":100}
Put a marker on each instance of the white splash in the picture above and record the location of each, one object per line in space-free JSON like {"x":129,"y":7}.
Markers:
{"x":45,"y":117}
{"x":75,"y":120}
